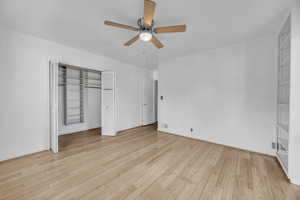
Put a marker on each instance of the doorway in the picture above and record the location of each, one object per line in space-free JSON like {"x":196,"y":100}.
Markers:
{"x":82,"y":103}
{"x":148,"y":103}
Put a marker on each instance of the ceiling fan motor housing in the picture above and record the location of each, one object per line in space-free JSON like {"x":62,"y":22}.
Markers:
{"x":143,"y":28}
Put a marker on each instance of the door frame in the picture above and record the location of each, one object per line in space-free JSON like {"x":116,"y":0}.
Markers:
{"x":53,"y":105}
{"x":53,"y":102}
{"x":142,"y":101}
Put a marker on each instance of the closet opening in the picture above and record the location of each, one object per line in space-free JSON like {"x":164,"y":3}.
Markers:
{"x":79,"y":106}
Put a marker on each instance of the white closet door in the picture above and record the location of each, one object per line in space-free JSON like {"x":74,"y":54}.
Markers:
{"x":283,"y":96}
{"x":108,"y":104}
{"x":53,"y":106}
{"x":147,"y":102}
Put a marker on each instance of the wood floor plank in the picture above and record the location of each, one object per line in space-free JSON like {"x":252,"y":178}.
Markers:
{"x":72,"y":166}
{"x":140,"y":164}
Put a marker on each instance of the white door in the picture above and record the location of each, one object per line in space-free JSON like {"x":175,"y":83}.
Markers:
{"x":147,"y":102}
{"x":53,"y":70}
{"x":108,"y":104}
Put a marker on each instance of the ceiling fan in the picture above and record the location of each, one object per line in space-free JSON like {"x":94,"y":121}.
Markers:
{"x":146,"y":27}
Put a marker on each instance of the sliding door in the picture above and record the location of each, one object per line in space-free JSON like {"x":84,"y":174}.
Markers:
{"x":108,"y":116}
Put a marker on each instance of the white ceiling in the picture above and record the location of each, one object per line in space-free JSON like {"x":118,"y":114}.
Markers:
{"x":79,"y":24}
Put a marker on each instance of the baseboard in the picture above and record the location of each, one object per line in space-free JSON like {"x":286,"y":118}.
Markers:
{"x":77,"y":131}
{"x":213,"y":142}
{"x":24,"y":155}
{"x":136,"y":127}
{"x":295,"y":182}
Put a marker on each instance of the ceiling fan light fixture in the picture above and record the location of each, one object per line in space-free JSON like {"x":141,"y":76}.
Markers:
{"x":146,"y":29}
{"x":145,"y":36}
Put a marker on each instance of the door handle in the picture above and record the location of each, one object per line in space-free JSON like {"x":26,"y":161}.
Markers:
{"x":282,"y":148}
{"x":145,"y":104}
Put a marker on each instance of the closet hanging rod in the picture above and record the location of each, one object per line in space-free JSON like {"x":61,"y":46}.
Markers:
{"x":75,"y":84}
{"x":79,"y":78}
{"x":94,"y":87}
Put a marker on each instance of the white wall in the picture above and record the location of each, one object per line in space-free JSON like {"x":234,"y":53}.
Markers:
{"x":24,"y":86}
{"x":226,"y":95}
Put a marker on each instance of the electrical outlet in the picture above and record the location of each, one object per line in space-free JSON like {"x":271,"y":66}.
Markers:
{"x":274,"y":145}
{"x":165,"y":125}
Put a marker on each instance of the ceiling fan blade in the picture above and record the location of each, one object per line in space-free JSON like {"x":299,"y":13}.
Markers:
{"x":170,"y":29}
{"x":149,"y":8}
{"x":110,"y":23}
{"x":132,"y":41}
{"x":156,"y":42}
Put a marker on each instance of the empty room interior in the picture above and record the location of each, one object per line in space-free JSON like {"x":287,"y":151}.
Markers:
{"x":150,"y":100}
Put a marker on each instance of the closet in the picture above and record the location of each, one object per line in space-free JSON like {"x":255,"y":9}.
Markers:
{"x":79,"y":99}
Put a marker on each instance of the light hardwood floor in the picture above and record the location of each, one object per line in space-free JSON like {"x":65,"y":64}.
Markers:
{"x":144,"y":164}
{"x":78,"y":139}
